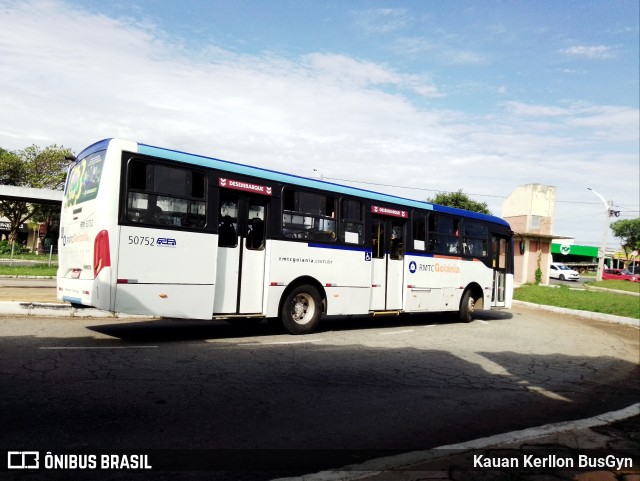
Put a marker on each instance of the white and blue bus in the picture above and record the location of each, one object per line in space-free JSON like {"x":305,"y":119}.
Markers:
{"x":152,"y":231}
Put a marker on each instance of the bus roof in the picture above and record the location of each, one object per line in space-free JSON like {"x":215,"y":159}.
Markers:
{"x":276,"y":176}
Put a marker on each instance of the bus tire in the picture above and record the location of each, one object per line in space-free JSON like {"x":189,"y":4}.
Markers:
{"x":467,"y":307}
{"x":301,"y":309}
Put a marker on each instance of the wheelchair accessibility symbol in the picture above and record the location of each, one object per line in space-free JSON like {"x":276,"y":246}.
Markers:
{"x":367,"y":256}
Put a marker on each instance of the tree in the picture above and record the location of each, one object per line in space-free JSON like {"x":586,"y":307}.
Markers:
{"x":30,"y":167}
{"x":628,"y":231}
{"x":459,"y":200}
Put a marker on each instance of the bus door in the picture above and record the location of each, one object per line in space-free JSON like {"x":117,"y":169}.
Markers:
{"x":499,"y":246}
{"x":387,"y":263}
{"x":241,"y":254}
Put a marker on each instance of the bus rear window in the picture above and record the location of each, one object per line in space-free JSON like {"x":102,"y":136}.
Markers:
{"x":84,"y":179}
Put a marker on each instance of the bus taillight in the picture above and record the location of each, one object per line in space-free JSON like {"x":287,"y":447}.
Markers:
{"x":101,"y":256}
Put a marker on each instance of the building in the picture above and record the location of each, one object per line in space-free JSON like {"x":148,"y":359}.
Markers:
{"x":31,"y":236}
{"x":529,"y":210}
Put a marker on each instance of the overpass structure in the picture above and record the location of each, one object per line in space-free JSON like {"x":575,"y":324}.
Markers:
{"x":29,"y":194}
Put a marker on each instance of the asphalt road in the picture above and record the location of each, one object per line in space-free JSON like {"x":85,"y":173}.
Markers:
{"x":359,"y":386}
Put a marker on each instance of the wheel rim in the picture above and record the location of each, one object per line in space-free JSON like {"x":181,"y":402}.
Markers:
{"x":302,"y":308}
{"x":470,"y":307}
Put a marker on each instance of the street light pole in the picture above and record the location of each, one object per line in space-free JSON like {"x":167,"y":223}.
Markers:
{"x":607,"y":214}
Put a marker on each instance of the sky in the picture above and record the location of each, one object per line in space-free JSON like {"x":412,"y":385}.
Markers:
{"x":407,"y":97}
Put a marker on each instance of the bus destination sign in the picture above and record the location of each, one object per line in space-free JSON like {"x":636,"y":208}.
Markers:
{"x":376,"y":209}
{"x":244,"y":186}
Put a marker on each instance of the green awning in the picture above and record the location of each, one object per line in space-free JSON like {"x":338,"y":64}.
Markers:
{"x":573,"y":249}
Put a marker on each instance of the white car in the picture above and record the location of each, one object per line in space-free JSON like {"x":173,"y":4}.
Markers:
{"x":558,"y":270}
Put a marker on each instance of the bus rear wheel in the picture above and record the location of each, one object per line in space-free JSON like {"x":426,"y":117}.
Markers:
{"x":301,"y":310}
{"x":467,"y":307}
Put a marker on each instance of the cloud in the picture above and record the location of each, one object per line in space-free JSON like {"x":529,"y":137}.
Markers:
{"x":381,"y":21}
{"x":613,"y":123}
{"x":341,"y":69}
{"x":463,"y":57}
{"x":532,"y":110}
{"x":71,"y":77}
{"x":439,"y":49}
{"x":597,"y":52}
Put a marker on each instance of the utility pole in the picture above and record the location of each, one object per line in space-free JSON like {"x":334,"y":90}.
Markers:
{"x":607,"y":213}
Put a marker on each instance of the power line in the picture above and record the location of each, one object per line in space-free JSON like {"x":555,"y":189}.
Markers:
{"x":407,"y":187}
{"x":379,"y":184}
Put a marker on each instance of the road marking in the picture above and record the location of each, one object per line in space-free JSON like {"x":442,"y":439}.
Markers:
{"x":545,"y":392}
{"x":494,"y":368}
{"x":482,"y":322}
{"x":275,"y":343}
{"x":292,"y":342}
{"x":396,"y":332}
{"x":74,"y":348}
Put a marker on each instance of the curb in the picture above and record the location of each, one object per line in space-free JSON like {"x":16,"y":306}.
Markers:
{"x":378,"y":466}
{"x":61,"y":310}
{"x":616,"y":291}
{"x":596,"y":316}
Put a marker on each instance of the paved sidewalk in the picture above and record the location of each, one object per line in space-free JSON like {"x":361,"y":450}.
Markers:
{"x":608,"y":445}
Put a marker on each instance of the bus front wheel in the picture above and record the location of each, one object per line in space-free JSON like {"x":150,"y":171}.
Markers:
{"x":301,"y":310}
{"x":467,"y":307}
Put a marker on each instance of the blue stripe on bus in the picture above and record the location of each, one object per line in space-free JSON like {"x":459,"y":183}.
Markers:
{"x":276,"y":176}
{"x":419,"y":254}
{"x":339,"y":247}
{"x":97,"y":147}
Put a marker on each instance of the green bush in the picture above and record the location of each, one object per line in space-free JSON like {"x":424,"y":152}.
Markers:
{"x":5,"y":248}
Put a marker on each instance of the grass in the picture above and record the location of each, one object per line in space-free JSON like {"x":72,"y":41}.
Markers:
{"x":592,"y":301}
{"x":617,"y":285}
{"x":32,"y":270}
{"x":35,"y":265}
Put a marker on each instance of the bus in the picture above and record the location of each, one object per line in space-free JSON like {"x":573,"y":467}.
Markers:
{"x":164,"y":233}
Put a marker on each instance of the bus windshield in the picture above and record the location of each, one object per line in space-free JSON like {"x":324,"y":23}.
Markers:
{"x":84,"y":179}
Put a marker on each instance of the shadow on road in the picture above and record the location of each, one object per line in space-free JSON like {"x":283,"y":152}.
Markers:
{"x":321,"y":400}
{"x":308,"y":397}
{"x":175,"y":330}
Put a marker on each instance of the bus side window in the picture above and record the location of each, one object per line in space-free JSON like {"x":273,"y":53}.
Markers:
{"x":227,"y":233}
{"x":352,"y":222}
{"x":397,"y":240}
{"x":377,"y":239}
{"x":419,"y":232}
{"x":255,"y":235}
{"x":160,"y":195}
{"x":475,"y":240}
{"x":444,"y":234}
{"x":454,"y":240}
{"x":255,"y":226}
{"x":307,"y":215}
